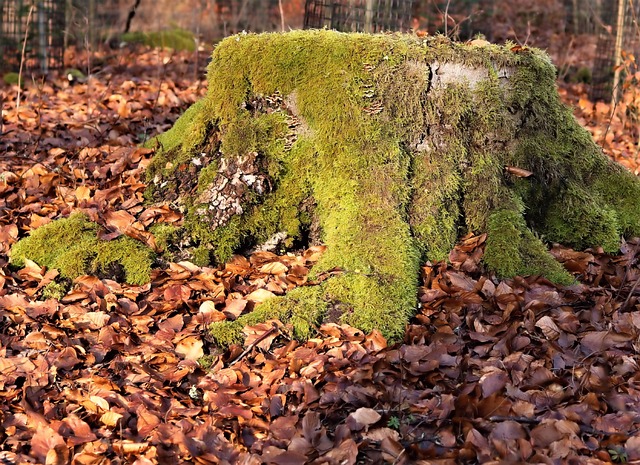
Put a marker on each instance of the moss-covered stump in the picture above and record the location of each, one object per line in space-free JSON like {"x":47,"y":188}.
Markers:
{"x":386,"y":148}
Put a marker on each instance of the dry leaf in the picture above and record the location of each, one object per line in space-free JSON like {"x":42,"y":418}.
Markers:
{"x":234,"y":308}
{"x":190,"y":348}
{"x":548,"y":327}
{"x":362,"y":419}
{"x":83,"y":193}
{"x":259,"y":295}
{"x":518,"y":172}
{"x":110,"y":418}
{"x":274,"y":268}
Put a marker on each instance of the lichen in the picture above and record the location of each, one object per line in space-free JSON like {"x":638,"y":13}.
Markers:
{"x":403,"y":144}
{"x":71,"y":245}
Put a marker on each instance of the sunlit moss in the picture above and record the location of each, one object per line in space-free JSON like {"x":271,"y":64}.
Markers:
{"x":206,"y":362}
{"x":165,"y":235}
{"x":303,"y":308}
{"x":71,"y":246}
{"x":55,"y":290}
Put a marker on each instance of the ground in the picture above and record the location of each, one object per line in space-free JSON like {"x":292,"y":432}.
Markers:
{"x":518,"y":370}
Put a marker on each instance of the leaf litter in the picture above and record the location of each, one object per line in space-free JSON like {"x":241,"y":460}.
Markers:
{"x":489,"y":371}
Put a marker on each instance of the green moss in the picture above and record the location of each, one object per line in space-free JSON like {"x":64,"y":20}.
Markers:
{"x":206,"y":362}
{"x":303,"y":308}
{"x":55,"y":290}
{"x":579,"y":218}
{"x":582,"y":74}
{"x":400,"y":144}
{"x":206,"y":176}
{"x":177,"y":145}
{"x":512,"y":249}
{"x":176,"y":38}
{"x":202,"y":256}
{"x":165,"y":235}
{"x":71,"y":246}
{"x":12,"y":79}
{"x":73,"y":74}
{"x":134,"y":257}
{"x":434,"y":213}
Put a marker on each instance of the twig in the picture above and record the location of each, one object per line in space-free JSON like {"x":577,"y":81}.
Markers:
{"x":132,"y":13}
{"x":24,"y":46}
{"x":263,"y":336}
{"x":527,"y":420}
{"x":626,"y":302}
{"x":281,"y":15}
{"x":399,"y":456}
{"x":446,"y":17}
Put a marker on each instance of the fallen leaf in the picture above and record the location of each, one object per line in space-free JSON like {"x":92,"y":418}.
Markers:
{"x":110,"y":418}
{"x":549,"y":328}
{"x":362,"y":418}
{"x":259,"y":295}
{"x":190,"y":348}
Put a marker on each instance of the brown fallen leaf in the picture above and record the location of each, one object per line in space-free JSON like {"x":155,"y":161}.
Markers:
{"x":234,"y":308}
{"x":130,"y":447}
{"x":83,"y":193}
{"x":44,"y":443}
{"x":274,"y":268}
{"x":549,"y":328}
{"x":190,"y":348}
{"x":120,"y":220}
{"x":518,"y":172}
{"x":110,"y":418}
{"x":362,"y":418}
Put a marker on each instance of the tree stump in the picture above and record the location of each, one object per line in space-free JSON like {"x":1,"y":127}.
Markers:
{"x":386,"y":148}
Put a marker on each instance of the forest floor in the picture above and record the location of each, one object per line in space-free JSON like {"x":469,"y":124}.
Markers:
{"x":508,"y":371}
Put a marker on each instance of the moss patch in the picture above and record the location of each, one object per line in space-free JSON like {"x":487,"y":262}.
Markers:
{"x":12,"y":79}
{"x":177,"y":39}
{"x":71,"y":246}
{"x":55,"y":290}
{"x":401,"y":144}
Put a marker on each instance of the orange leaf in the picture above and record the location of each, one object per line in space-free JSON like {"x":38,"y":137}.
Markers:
{"x":128,"y":447}
{"x":83,"y":193}
{"x":190,"y":348}
{"x":119,"y":220}
{"x":110,"y":418}
{"x":44,"y":441}
{"x":177,"y":293}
